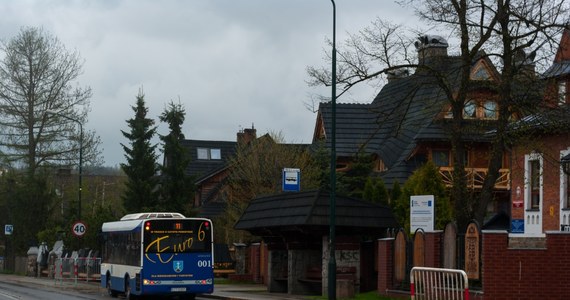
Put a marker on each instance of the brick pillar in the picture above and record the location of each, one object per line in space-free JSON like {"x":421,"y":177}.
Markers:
{"x":385,"y":265}
{"x":254,"y":267}
{"x":263,"y":263}
{"x":432,"y":256}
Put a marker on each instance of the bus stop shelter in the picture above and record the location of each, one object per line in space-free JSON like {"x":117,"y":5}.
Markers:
{"x":295,"y":227}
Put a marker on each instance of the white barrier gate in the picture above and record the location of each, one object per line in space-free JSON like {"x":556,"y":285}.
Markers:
{"x":77,"y":269}
{"x":437,"y":284}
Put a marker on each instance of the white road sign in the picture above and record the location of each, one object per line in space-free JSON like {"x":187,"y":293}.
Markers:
{"x":79,"y":229}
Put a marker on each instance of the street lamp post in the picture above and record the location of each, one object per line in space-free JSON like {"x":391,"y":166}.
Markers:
{"x":332,"y":213}
{"x":80,"y":158}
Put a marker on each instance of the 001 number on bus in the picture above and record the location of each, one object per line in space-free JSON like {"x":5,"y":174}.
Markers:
{"x":204,"y":263}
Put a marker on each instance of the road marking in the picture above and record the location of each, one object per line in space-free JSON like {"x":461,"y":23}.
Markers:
{"x":9,"y":296}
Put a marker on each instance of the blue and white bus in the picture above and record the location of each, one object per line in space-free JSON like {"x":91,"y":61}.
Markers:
{"x":158,"y":254}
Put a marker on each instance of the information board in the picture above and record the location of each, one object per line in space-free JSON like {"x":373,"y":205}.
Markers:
{"x":422,"y":213}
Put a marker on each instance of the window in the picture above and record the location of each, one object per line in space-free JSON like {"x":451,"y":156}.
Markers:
{"x":470,"y":110}
{"x":448,"y":114}
{"x":566,"y":191}
{"x":561,"y":92}
{"x":207,"y":153}
{"x":490,"y":110}
{"x":440,"y":158}
{"x":122,"y":248}
{"x":203,"y":153}
{"x":480,"y":73}
{"x":534,"y":183}
{"x":215,"y":154}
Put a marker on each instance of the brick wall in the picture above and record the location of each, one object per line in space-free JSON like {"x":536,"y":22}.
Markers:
{"x":525,"y":273}
{"x":510,"y":270}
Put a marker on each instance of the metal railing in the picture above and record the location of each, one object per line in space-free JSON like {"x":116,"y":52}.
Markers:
{"x":77,"y":269}
{"x":435,"y":283}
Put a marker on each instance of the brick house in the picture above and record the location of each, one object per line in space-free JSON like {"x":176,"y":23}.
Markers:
{"x":541,"y":197}
{"x":407,"y":122}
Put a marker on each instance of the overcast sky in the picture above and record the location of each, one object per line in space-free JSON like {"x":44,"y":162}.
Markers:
{"x":230,"y":63}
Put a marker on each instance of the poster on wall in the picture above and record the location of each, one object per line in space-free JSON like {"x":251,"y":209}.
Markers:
{"x":422,"y":213}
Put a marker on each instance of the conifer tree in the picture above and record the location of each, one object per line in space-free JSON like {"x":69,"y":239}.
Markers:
{"x":380,"y":192}
{"x":141,"y":167}
{"x":375,"y":191}
{"x":395,"y":194}
{"x":424,"y":181}
{"x":351,"y":183}
{"x":176,"y":187}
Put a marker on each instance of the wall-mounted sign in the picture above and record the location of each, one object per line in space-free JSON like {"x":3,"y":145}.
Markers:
{"x":517,"y":226}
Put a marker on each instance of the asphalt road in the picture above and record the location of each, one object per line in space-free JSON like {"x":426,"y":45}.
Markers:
{"x":13,"y":291}
{"x":27,"y":288}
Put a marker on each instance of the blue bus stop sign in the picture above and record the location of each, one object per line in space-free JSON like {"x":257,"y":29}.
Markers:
{"x":8,"y":229}
{"x":291,"y":180}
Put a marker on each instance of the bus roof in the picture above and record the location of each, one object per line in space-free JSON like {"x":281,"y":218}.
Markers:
{"x":152,"y":215}
{"x":121,"y":225}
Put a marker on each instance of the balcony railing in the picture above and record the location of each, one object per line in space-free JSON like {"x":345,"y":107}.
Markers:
{"x":476,"y":176}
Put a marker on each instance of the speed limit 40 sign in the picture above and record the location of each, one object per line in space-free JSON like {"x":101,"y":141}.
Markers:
{"x":79,"y":229}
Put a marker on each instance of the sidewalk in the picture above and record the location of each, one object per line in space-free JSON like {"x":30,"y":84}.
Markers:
{"x":221,"y":291}
{"x":248,"y":291}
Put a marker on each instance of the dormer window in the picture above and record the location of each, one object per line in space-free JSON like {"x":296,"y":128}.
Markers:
{"x":209,"y":153}
{"x":480,"y":72}
{"x":470,"y":110}
{"x":477,"y":110}
{"x":490,"y":110}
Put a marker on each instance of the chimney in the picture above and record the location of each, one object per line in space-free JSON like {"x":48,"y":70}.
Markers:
{"x":525,"y":62}
{"x":430,"y":46}
{"x":397,"y":74}
{"x":246,"y":135}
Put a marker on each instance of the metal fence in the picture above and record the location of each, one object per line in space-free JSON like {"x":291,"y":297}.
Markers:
{"x":435,"y":283}
{"x":77,"y":269}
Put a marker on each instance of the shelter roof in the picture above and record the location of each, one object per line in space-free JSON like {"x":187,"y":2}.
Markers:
{"x":294,"y":211}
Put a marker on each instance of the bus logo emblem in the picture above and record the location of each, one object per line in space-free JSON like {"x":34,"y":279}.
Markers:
{"x":178,"y":266}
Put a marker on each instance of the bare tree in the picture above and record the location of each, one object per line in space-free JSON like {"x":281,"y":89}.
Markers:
{"x":515,"y":35}
{"x":366,"y":56}
{"x":42,"y":111}
{"x":256,"y":170}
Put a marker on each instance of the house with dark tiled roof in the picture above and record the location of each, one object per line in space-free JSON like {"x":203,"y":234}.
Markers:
{"x":407,"y":122}
{"x":209,"y":166}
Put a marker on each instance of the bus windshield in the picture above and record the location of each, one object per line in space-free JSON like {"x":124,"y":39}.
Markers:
{"x":177,"y":236}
